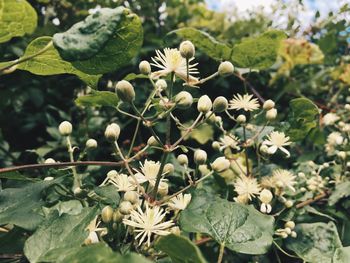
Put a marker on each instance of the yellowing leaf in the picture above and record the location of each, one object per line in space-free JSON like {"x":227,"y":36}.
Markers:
{"x":202,"y":134}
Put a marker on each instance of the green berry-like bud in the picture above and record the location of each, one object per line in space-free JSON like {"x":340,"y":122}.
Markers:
{"x":117,"y":216}
{"x":200,"y":156}
{"x":184,"y":100}
{"x":112,"y":132}
{"x":288,"y":203}
{"x":50,"y":161}
{"x":125,"y":207}
{"x":145,"y":67}
{"x":290,"y":224}
{"x":187,"y":49}
{"x":91,"y":143}
{"x":241,"y":118}
{"x":152,"y":141}
{"x":182,"y":159}
{"x":169,"y":168}
{"x":131,"y":196}
{"x":163,"y":189}
{"x":125,"y":91}
{"x":216,"y":146}
{"x":65,"y":128}
{"x":204,"y":104}
{"x":220,"y":164}
{"x":271,"y":114}
{"x":268,"y":105}
{"x":225,"y":68}
{"x":107,"y":214}
{"x":161,"y":84}
{"x":220,"y":104}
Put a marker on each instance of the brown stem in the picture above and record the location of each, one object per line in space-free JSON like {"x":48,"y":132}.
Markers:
{"x":54,"y":165}
{"x":251,"y":87}
{"x":312,"y":200}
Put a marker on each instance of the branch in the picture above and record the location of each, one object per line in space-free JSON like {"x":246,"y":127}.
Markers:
{"x":54,"y":165}
{"x":250,"y":86}
{"x":312,"y":200}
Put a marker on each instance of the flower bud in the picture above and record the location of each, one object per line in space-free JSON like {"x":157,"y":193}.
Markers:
{"x":112,"y":174}
{"x":271,"y":114}
{"x":220,"y":164}
{"x":91,"y":143}
{"x":152,"y":141}
{"x":225,"y":68}
{"x":289,"y":224}
{"x":264,"y":148}
{"x":175,"y":230}
{"x":187,"y":49}
{"x":288,"y":203}
{"x":125,"y":91}
{"x":266,"y":196}
{"x":125,"y":207}
{"x":169,"y":168}
{"x":117,"y":216}
{"x":131,"y":196}
{"x":200,"y":156}
{"x":107,"y":214}
{"x":182,"y":159}
{"x":241,"y":118}
{"x":216,"y":146}
{"x":49,"y":178}
{"x":65,"y":128}
{"x":161,"y":84}
{"x":163,"y":189}
{"x":204,"y":104}
{"x":220,"y":104}
{"x":145,"y":67}
{"x":50,"y":161}
{"x":293,"y":234}
{"x":268,"y":105}
{"x":112,"y":132}
{"x":341,"y":155}
{"x":184,"y":100}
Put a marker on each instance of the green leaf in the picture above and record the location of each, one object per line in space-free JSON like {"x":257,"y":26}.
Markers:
{"x":50,"y":62}
{"x":15,"y":175}
{"x":316,"y":242}
{"x":108,"y":194}
{"x":103,"y":42}
{"x":205,"y":42}
{"x":201,"y":134}
{"x":258,"y":52}
{"x":17,"y":18}
{"x":21,"y":206}
{"x":133,"y":76}
{"x":98,"y":253}
{"x":98,"y":99}
{"x":341,"y":191}
{"x":58,"y":233}
{"x":302,"y":118}
{"x":240,"y":227}
{"x":342,"y":255}
{"x":180,"y":249}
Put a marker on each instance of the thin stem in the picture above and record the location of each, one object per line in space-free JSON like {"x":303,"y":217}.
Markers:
{"x":187,"y":71}
{"x":159,"y":175}
{"x":221,"y":252}
{"x":208,"y":78}
{"x":245,"y":151}
{"x":282,"y":250}
{"x":312,"y":200}
{"x":134,"y":137}
{"x":77,"y":179}
{"x":250,"y":86}
{"x":168,"y":117}
{"x":24,"y":59}
{"x":187,"y":131}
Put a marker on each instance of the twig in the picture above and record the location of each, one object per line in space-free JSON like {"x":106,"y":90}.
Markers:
{"x":312,"y":200}
{"x":250,"y":86}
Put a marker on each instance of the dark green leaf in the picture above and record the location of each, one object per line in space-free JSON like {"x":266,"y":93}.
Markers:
{"x":133,"y":76}
{"x":15,"y":176}
{"x":17,"y":18}
{"x":108,"y":194}
{"x":315,"y":242}
{"x":180,"y":249}
{"x":302,"y":118}
{"x":341,"y":190}
{"x":240,"y":227}
{"x":58,"y":233}
{"x":98,"y":98}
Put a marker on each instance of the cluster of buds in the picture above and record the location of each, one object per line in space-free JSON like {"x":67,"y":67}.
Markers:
{"x":287,"y":230}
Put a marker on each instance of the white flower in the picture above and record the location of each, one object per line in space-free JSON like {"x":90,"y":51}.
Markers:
{"x":172,"y":62}
{"x":229,"y":142}
{"x":245,"y":102}
{"x":284,"y":179}
{"x":276,"y":140}
{"x":335,"y":138}
{"x":123,"y":182}
{"x":148,"y":223}
{"x":149,"y":172}
{"x":93,"y":230}
{"x":246,"y":188}
{"x":180,"y":201}
{"x":330,"y":119}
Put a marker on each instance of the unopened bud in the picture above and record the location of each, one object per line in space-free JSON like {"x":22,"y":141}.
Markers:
{"x":125,"y":207}
{"x":341,"y":155}
{"x":125,"y":91}
{"x":65,"y":128}
{"x":161,"y":84}
{"x":268,"y":105}
{"x":241,"y":118}
{"x":200,"y":156}
{"x":293,"y":234}
{"x":184,"y":100}
{"x":216,"y":146}
{"x":266,"y":196}
{"x":169,"y":168}
{"x":187,"y":49}
{"x":220,"y":164}
{"x":49,"y":161}
{"x":112,"y":132}
{"x":131,"y":196}
{"x":290,"y":224}
{"x":271,"y":114}
{"x":204,"y":104}
{"x":145,"y":67}
{"x":163,"y":189}
{"x":112,"y":174}
{"x":152,"y":141}
{"x":91,"y":143}
{"x":117,"y":216}
{"x":288,"y":203}
{"x":107,"y":214}
{"x":220,"y":104}
{"x":182,"y":159}
{"x":264,"y":148}
{"x":225,"y":68}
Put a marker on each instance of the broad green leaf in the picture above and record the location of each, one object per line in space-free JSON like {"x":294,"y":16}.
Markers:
{"x":258,"y":52}
{"x":205,"y":42}
{"x":342,"y":255}
{"x":12,"y":242}
{"x":133,"y":76}
{"x":21,"y":206}
{"x":302,"y":118}
{"x":72,"y":207}
{"x":103,"y":42}
{"x":98,"y":98}
{"x":341,"y":190}
{"x":17,"y":18}
{"x":180,"y":249}
{"x":240,"y":227}
{"x":50,"y":62}
{"x":15,"y":176}
{"x":98,"y":253}
{"x":58,"y":233}
{"x":108,"y":194}
{"x":202,"y":134}
{"x":316,"y":242}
